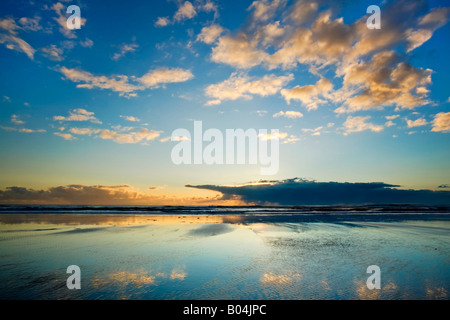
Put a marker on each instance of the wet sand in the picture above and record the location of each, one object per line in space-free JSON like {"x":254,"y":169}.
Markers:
{"x":223,"y":256}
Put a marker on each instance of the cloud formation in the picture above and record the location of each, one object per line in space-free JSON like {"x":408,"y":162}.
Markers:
{"x":305,"y":192}
{"x":374,"y":70}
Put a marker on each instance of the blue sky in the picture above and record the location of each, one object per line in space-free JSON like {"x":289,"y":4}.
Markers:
{"x":92,"y":109}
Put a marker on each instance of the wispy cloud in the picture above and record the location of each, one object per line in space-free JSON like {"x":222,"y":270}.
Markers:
{"x":121,"y":83}
{"x":9,"y":36}
{"x":84,"y":131}
{"x":187,"y":10}
{"x":87,"y":43}
{"x":124,"y":49}
{"x":65,"y":136}
{"x":140,"y":136}
{"x":359,"y":123}
{"x":131,"y":118}
{"x":78,"y":115}
{"x":313,"y":132}
{"x":53,"y":52}
{"x":15,"y":119}
{"x":288,"y":114}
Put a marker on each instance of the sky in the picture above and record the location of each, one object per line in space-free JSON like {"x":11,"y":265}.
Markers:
{"x":86,"y":115}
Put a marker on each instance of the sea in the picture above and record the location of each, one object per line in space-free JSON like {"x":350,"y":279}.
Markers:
{"x":365,"y":252}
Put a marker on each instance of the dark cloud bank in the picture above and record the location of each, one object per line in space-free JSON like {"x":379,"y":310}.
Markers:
{"x":279,"y":192}
{"x":304,"y":192}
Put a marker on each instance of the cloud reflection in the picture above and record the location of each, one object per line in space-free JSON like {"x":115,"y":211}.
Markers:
{"x":139,"y":278}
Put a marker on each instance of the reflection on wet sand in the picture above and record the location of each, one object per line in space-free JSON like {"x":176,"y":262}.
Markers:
{"x":280,"y":279}
{"x":221,"y":257}
{"x":110,"y":219}
{"x":387,"y":291}
{"x":138,"y":278}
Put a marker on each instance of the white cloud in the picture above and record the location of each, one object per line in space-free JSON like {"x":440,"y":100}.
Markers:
{"x":78,"y":115}
{"x":131,"y":118}
{"x":288,"y":114}
{"x":65,"y":136}
{"x":242,"y":86}
{"x":88,"y":43}
{"x":9,"y":34}
{"x":124,"y":49}
{"x":210,"y":33}
{"x":15,"y":119}
{"x":130,"y":137}
{"x":162,"y":22}
{"x":121,"y":83}
{"x":395,"y":116}
{"x":9,"y":25}
{"x":185,"y":11}
{"x":261,"y":112}
{"x":269,"y":136}
{"x":84,"y":131}
{"x":188,"y":10}
{"x":310,"y":95}
{"x":157,"y":77}
{"x":314,"y":132}
{"x":53,"y":52}
{"x":26,"y":130}
{"x":264,"y":10}
{"x":291,"y":139}
{"x":89,"y":81}
{"x":238,"y":52}
{"x":374,"y":77}
{"x":389,"y":124}
{"x":384,"y":82}
{"x":30,"y":24}
{"x":441,"y":122}
{"x":358,"y":124}
{"x":416,"y":123}
{"x":17,"y":44}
